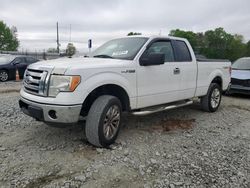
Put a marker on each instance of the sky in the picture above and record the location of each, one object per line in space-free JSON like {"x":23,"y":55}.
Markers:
{"x":102,"y":20}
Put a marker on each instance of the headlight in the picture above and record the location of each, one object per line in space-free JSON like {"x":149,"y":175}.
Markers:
{"x":60,"y":83}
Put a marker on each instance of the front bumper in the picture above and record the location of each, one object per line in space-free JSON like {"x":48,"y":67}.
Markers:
{"x":63,"y":114}
{"x":239,"y":89}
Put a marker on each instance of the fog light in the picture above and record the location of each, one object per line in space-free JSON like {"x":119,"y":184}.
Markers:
{"x":52,"y":114}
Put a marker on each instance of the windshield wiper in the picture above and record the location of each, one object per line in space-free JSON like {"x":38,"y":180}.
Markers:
{"x":103,"y":56}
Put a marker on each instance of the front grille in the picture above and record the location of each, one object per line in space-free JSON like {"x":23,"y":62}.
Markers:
{"x":35,"y":81}
{"x":245,"y":83}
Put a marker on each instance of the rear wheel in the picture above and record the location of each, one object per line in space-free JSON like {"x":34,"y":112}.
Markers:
{"x":4,"y":76}
{"x":212,"y":100}
{"x":103,"y":121}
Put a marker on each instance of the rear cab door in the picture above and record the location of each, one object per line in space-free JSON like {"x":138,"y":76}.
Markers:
{"x":187,"y":67}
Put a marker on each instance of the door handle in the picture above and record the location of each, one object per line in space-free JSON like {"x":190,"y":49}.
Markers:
{"x":177,"y":71}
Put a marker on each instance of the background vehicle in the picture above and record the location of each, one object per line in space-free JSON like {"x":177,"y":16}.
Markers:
{"x":240,"y":79}
{"x":9,"y":64}
{"x":141,"y":75}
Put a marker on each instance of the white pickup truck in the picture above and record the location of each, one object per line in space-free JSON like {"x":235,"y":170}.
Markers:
{"x":138,"y":74}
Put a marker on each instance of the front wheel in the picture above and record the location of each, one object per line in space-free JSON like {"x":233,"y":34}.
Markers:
{"x":103,"y":121}
{"x":212,"y":100}
{"x":4,"y":76}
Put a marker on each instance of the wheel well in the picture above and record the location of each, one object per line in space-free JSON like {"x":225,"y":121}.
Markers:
{"x":218,"y":80}
{"x":109,"y":89}
{"x":4,"y":70}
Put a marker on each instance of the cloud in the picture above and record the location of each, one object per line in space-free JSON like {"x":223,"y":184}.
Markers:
{"x":103,"y":20}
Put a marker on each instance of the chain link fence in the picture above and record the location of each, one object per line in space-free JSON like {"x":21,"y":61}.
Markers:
{"x":37,"y":55}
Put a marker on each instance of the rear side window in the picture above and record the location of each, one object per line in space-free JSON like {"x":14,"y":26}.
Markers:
{"x":30,"y":60}
{"x":182,"y":52}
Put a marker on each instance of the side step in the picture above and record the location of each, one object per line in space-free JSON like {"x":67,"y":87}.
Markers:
{"x":147,"y":111}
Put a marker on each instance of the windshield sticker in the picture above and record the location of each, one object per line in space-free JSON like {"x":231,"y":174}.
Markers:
{"x":118,"y":53}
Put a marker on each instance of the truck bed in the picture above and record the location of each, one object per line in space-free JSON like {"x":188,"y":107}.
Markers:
{"x":212,"y":60}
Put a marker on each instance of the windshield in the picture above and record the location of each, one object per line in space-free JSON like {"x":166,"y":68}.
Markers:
{"x":241,"y":64}
{"x":6,"y":59}
{"x":123,"y":48}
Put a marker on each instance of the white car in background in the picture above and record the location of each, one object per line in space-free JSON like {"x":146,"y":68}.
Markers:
{"x":240,"y":79}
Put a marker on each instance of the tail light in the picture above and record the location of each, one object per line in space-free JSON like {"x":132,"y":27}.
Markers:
{"x":230,"y":70}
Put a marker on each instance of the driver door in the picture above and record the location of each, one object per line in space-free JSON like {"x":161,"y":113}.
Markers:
{"x":20,"y":65}
{"x":158,"y":84}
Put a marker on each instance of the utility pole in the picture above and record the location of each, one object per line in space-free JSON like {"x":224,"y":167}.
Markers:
{"x":70,"y":33}
{"x":57,"y":38}
{"x":160,"y":32}
{"x":90,"y":45}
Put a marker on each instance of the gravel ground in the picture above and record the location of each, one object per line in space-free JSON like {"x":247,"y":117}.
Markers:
{"x":11,"y":86}
{"x":179,"y":148}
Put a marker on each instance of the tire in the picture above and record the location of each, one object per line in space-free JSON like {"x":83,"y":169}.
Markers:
{"x":211,"y":102}
{"x":4,"y":75}
{"x":107,"y":109}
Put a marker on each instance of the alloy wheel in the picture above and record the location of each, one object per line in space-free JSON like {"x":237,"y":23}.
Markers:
{"x":215,"y":98}
{"x":111,"y":122}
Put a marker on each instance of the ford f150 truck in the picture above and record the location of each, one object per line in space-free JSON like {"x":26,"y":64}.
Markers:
{"x":138,"y":74}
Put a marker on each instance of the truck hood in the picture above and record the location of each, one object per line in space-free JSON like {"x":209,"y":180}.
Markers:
{"x":64,"y":64}
{"x":241,"y":74}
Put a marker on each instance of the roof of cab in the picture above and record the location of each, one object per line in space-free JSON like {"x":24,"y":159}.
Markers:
{"x":155,"y":36}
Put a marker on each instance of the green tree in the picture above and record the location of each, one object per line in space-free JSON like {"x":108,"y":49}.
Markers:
{"x":247,"y":52}
{"x":133,"y":33}
{"x":217,"y":43}
{"x":71,"y":49}
{"x":52,"y":50}
{"x":189,"y":35}
{"x":8,"y":39}
{"x":237,"y":48}
{"x":222,"y":45}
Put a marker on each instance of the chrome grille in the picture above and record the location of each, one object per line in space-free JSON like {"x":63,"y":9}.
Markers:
{"x":34,"y":81}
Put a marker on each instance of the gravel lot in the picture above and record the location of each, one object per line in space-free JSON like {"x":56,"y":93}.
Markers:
{"x":179,"y":148}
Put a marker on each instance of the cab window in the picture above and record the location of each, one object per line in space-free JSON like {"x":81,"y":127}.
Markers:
{"x":164,"y":47}
{"x":182,"y":53}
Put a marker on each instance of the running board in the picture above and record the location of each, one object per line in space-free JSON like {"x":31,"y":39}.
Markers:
{"x":162,"y":108}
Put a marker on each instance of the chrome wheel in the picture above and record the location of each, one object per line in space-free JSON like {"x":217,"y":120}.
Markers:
{"x":215,"y":98}
{"x":3,"y":76}
{"x":111,"y":122}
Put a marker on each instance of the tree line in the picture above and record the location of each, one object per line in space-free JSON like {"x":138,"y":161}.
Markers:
{"x":216,"y":44}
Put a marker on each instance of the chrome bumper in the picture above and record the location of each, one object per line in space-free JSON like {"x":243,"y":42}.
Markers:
{"x":51,"y":113}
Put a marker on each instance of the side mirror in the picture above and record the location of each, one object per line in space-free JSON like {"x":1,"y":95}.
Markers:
{"x":15,"y":63}
{"x":152,"y":59}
